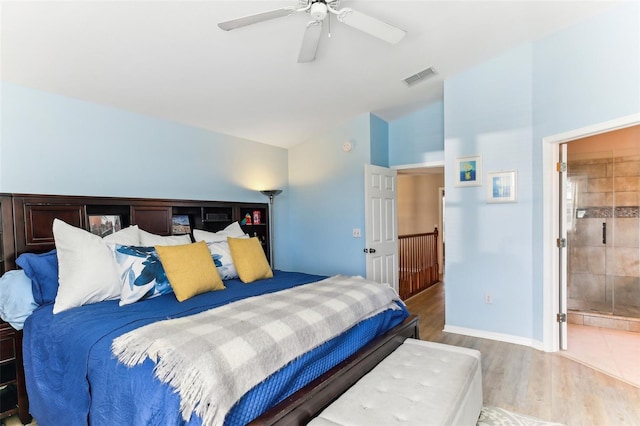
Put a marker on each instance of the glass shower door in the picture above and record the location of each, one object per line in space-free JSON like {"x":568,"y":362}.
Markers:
{"x":590,"y":211}
{"x":623,"y":249}
{"x":603,"y":230}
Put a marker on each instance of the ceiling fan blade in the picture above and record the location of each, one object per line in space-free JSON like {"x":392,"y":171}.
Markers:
{"x":254,"y":19}
{"x":310,"y":42}
{"x":371,"y":26}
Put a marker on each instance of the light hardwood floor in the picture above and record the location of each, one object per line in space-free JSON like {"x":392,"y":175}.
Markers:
{"x":525,"y":380}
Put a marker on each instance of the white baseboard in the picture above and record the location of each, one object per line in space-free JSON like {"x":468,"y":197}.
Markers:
{"x":483,"y":334}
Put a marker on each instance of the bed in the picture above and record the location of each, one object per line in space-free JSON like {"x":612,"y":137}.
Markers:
{"x":74,"y":377}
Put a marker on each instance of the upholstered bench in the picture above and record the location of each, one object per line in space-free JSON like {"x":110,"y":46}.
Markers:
{"x":420,"y":383}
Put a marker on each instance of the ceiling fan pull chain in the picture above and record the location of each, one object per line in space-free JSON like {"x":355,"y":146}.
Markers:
{"x":329,"y":26}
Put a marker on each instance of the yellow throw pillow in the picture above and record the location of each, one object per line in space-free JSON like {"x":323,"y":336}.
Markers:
{"x":190,"y":269}
{"x":249,"y":259}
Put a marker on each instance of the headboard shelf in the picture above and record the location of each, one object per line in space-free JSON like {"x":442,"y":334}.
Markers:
{"x":27,"y":219}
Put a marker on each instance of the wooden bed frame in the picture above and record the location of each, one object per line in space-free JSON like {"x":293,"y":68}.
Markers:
{"x":27,"y":227}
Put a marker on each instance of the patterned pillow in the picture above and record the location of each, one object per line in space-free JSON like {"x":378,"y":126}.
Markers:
{"x":141,"y":272}
{"x":221,"y":255}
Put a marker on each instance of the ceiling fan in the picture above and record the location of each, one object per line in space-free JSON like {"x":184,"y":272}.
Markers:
{"x":318,"y":10}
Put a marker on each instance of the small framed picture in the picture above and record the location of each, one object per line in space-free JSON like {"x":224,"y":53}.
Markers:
{"x":180,"y":224}
{"x":502,"y":187}
{"x":104,"y":224}
{"x":469,"y":171}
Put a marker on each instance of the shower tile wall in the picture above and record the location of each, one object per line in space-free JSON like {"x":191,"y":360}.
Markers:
{"x":605,"y":278}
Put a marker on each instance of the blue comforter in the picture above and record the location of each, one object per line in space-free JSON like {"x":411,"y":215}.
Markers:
{"x":73,"y":378}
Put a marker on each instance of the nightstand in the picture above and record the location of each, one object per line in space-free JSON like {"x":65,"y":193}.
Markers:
{"x":13,"y":391}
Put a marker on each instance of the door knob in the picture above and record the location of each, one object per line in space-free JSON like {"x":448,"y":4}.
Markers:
{"x":372,"y":250}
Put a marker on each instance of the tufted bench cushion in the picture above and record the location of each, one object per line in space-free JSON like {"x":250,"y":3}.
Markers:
{"x":420,"y":383}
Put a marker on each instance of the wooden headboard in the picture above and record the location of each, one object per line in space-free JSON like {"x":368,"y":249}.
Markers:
{"x":27,"y":219}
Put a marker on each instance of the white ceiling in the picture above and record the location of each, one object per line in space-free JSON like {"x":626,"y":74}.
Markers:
{"x":169,"y":59}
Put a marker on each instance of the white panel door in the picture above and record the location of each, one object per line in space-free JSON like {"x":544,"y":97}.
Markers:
{"x":381,"y":226}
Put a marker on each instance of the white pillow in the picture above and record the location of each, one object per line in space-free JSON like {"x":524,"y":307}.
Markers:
{"x":234,"y":230}
{"x":87,"y":269}
{"x":148,"y":239}
{"x":127,"y":237}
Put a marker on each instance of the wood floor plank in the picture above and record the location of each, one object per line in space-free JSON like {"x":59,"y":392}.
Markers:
{"x":540,"y":384}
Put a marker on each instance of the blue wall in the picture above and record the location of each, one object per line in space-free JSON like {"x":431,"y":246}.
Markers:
{"x":501,"y":109}
{"x":586,"y":74}
{"x":326,"y":201}
{"x":418,"y":137}
{"x":379,"y":141}
{"x":51,"y":144}
{"x":488,"y":113}
{"x":88,"y":149}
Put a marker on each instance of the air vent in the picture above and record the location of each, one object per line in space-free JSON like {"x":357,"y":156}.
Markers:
{"x":420,"y":76}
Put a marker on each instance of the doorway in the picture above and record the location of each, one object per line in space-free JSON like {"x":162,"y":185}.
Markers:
{"x":599,"y":210}
{"x":603,"y":229}
{"x":420,"y":227}
{"x":552,"y":303}
{"x":602,"y":199}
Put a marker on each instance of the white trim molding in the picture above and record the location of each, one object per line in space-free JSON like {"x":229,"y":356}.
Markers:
{"x":500,"y":337}
{"x":426,"y":165}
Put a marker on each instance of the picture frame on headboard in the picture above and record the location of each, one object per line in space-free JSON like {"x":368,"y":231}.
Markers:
{"x":104,"y":224}
{"x":180,"y":224}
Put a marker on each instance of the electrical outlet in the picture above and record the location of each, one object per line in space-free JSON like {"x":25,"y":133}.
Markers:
{"x":488,"y":298}
{"x":356,"y":233}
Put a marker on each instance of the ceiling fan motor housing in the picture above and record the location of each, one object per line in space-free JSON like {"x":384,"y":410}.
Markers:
{"x":318,"y":11}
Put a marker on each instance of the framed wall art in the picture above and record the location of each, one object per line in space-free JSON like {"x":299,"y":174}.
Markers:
{"x":468,"y":171}
{"x":501,"y":187}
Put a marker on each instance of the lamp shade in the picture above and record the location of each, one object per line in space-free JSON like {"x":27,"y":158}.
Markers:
{"x":271,"y":192}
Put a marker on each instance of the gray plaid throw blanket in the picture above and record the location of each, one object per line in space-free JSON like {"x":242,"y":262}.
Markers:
{"x":214,"y":357}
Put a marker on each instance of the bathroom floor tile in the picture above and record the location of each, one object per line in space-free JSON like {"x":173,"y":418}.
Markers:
{"x":613,"y":352}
